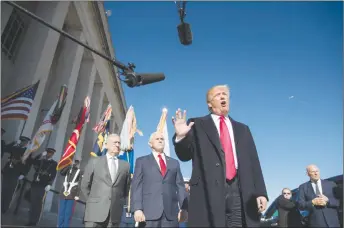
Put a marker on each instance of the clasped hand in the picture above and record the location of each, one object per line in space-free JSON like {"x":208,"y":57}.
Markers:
{"x":320,"y":200}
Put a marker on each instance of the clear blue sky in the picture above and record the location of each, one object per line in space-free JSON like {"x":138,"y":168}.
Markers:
{"x":266,"y":52}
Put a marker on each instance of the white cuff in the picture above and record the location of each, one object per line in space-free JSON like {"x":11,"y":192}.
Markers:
{"x":179,"y":139}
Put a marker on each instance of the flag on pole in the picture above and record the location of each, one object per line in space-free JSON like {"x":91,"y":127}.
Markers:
{"x":98,"y":148}
{"x":67,"y":157}
{"x":162,"y":128}
{"x":102,"y":124}
{"x":127,"y":138}
{"x":47,"y":126}
{"x":17,"y":106}
{"x":102,"y":128}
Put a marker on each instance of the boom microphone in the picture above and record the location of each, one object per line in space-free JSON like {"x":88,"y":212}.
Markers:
{"x":138,"y":79}
{"x":185,"y":34}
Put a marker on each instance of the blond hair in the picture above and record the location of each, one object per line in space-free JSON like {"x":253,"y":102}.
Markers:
{"x":209,"y":93}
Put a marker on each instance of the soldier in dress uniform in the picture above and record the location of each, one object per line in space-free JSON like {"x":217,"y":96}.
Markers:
{"x":69,"y":193}
{"x":45,"y":173}
{"x":13,"y":171}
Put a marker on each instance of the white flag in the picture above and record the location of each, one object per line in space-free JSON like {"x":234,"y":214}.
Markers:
{"x":167,"y":144}
{"x":45,"y":128}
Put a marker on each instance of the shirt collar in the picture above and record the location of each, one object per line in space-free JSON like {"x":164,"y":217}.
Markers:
{"x":217,"y":117}
{"x":111,"y":157}
{"x":157,"y":153}
{"x":315,"y":182}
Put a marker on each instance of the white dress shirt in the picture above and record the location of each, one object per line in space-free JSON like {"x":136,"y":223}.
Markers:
{"x":111,"y":168}
{"x":318,"y":182}
{"x":216,"y":120}
{"x":155,"y":154}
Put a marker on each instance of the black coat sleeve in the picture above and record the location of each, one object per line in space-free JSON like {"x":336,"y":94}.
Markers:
{"x":259,"y":182}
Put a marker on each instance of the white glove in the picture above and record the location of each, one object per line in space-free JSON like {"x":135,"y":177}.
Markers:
{"x":21,"y":177}
{"x":47,"y":188}
{"x":18,"y":142}
{"x":76,"y":197}
{"x":44,"y":153}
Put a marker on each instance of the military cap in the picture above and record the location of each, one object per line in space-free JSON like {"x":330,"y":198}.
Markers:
{"x":51,"y":150}
{"x":24,"y":139}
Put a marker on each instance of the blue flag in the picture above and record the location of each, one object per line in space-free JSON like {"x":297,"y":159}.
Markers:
{"x":101,"y":139}
{"x":129,"y":157}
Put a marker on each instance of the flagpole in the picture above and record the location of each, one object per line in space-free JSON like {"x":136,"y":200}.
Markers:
{"x":48,"y":140}
{"x":22,"y":130}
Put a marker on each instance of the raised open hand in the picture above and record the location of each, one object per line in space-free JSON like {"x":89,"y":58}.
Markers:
{"x":180,"y":125}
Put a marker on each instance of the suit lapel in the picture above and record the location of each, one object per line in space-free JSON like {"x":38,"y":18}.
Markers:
{"x":119,"y":170}
{"x":211,"y":131}
{"x":323,"y":188}
{"x":310,"y":189}
{"x":154,"y":163}
{"x":214,"y":137}
{"x":107,"y":171}
{"x":235,"y":133}
{"x":168,"y":164}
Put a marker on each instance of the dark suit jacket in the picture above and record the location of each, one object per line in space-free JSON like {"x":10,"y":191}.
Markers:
{"x":154,"y":194}
{"x":103,"y":195}
{"x":320,"y":216}
{"x":207,"y":183}
{"x":288,"y":213}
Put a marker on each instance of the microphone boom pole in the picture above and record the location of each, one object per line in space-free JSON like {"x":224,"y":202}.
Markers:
{"x":128,"y":71}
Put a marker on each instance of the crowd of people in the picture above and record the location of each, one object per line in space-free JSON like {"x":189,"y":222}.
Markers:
{"x":226,"y":189}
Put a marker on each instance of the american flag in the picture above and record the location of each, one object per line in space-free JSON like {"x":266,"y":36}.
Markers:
{"x":17,"y":105}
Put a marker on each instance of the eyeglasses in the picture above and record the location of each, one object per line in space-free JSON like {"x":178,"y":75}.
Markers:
{"x":286,"y":193}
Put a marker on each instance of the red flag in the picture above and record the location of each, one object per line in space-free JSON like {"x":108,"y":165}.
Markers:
{"x":67,"y":157}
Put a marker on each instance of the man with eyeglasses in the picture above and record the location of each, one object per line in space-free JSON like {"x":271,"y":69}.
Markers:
{"x":318,"y":198}
{"x":288,"y":214}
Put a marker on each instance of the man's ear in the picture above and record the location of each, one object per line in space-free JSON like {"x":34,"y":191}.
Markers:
{"x":209,"y":106}
{"x":150,"y":144}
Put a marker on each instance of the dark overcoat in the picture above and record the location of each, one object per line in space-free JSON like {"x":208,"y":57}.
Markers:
{"x":207,"y":184}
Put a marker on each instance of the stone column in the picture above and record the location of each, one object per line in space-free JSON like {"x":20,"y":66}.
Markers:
{"x":60,"y":134}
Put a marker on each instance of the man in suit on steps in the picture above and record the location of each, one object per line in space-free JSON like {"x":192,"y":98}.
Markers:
{"x":105,"y":184}
{"x":158,"y":187}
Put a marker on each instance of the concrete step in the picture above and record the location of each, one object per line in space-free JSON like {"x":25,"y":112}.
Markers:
{"x":48,"y":219}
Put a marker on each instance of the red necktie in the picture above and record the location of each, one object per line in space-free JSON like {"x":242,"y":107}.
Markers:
{"x":225,"y":139}
{"x":162,"y":165}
